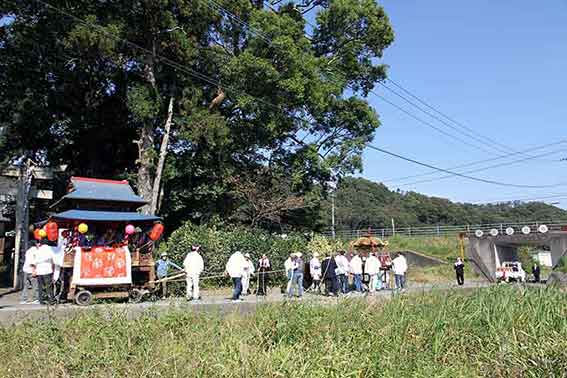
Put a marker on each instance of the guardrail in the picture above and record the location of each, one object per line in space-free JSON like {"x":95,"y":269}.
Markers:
{"x":446,"y":230}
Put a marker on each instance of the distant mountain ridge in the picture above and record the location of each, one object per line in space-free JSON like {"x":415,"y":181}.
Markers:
{"x":362,"y":203}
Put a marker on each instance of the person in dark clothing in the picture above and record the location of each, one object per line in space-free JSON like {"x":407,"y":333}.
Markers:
{"x":536,"y":271}
{"x":460,"y":271}
{"x":328,"y":268}
{"x":263,"y":267}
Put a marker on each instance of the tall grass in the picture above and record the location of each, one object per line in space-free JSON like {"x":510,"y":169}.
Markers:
{"x":495,"y":332}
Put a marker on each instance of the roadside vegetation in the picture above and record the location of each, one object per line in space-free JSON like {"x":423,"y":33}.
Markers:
{"x":496,"y":332}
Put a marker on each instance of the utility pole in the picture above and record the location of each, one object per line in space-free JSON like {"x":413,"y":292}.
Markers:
{"x":332,"y":190}
{"x":333,"y":214}
{"x":393,"y":227}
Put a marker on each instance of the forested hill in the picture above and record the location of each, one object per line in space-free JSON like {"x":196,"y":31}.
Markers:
{"x":361,"y":203}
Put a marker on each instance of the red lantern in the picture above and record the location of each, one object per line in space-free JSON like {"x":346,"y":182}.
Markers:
{"x":156,"y":232}
{"x":36,"y":234}
{"x":52,"y":230}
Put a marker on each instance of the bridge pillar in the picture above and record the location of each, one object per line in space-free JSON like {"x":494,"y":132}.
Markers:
{"x":558,"y":246}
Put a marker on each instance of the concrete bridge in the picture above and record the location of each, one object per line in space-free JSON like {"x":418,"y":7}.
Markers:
{"x":488,"y":252}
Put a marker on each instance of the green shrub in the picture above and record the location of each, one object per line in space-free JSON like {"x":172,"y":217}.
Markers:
{"x":217,"y":244}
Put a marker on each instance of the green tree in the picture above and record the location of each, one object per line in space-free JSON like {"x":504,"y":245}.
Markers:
{"x":179,"y":95}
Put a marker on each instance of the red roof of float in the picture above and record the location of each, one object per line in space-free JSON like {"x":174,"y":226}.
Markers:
{"x":103,"y":181}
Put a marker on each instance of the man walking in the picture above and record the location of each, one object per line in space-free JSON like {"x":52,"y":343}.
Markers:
{"x":298,"y":272}
{"x":247,"y":274}
{"x":355,"y":267}
{"x":289,"y":268}
{"x":342,"y":271}
{"x":263,"y":268}
{"x":536,"y":271}
{"x":162,"y":271}
{"x":30,"y":280}
{"x":234,"y":269}
{"x":315,"y":272}
{"x":329,"y":274}
{"x":460,"y":271}
{"x":194,"y":266}
{"x":400,"y":267}
{"x":42,"y":265}
{"x":372,"y":268}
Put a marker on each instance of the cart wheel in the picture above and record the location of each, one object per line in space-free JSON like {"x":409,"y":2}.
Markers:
{"x":84,"y":298}
{"x":136,"y":295}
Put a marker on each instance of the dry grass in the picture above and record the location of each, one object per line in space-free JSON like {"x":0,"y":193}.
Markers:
{"x":496,"y":332}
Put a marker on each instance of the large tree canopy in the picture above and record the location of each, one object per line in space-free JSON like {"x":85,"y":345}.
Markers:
{"x":192,"y":91}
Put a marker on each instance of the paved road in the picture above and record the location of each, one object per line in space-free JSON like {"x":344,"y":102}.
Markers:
{"x":12,"y":312}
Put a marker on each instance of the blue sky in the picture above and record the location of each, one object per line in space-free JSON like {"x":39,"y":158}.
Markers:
{"x":498,"y":67}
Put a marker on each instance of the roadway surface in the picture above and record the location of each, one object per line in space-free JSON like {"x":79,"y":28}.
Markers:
{"x":11,"y":311}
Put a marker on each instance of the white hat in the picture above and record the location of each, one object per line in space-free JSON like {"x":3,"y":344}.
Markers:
{"x":315,"y":254}
{"x":299,"y":254}
{"x":163,"y":254}
{"x":247,"y":255}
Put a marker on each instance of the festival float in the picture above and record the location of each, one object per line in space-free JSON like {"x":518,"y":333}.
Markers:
{"x":104,"y":246}
{"x":369,"y":244}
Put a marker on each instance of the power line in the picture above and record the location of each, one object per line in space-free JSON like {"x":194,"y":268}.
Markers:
{"x":443,"y":114}
{"x":397,"y":179}
{"x":486,"y":168}
{"x":486,"y":181}
{"x":441,"y":120}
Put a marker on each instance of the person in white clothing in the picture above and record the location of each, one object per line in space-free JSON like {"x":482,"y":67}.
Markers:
{"x":400,"y":267}
{"x":193,"y":266}
{"x":247,"y":274}
{"x":43,"y":268}
{"x":30,"y":280}
{"x":315,"y":272}
{"x":234,"y":269}
{"x":289,"y":267}
{"x":355,"y":268}
{"x":342,"y":271}
{"x":372,"y":268}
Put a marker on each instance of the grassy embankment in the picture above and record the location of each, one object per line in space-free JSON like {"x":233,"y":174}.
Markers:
{"x":444,"y":248}
{"x":495,"y":332}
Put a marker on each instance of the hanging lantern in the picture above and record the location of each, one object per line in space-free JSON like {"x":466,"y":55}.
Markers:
{"x":83,"y":228}
{"x":130,"y":229}
{"x":156,"y":232}
{"x":36,"y":234}
{"x":52,"y":230}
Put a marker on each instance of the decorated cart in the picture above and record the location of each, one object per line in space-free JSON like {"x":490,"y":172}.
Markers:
{"x":104,"y":246}
{"x":369,"y":244}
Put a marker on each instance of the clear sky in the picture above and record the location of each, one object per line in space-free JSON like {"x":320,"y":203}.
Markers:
{"x":497,"y":66}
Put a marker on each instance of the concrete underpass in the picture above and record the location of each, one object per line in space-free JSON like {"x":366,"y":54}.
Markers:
{"x":487,"y":252}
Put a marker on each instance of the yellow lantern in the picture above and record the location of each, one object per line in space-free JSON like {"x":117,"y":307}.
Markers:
{"x":83,"y":228}
{"x":42,"y":234}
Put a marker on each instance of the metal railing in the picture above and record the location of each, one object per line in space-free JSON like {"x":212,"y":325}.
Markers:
{"x":447,"y":230}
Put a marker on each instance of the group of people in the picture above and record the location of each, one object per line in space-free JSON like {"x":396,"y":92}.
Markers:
{"x":38,"y":272}
{"x":335,"y":271}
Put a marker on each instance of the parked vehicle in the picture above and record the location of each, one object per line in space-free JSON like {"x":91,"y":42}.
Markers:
{"x":511,"y":271}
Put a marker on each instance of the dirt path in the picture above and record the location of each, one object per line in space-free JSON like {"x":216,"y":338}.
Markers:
{"x":12,"y":312}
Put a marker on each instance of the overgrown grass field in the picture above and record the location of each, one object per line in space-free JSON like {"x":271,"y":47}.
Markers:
{"x":495,"y":332}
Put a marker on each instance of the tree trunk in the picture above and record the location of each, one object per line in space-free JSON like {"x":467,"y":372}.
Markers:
{"x":161,"y":161}
{"x":145,"y":164}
